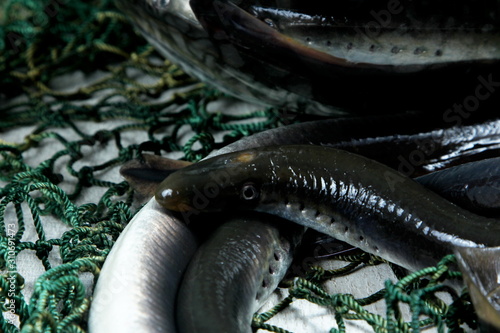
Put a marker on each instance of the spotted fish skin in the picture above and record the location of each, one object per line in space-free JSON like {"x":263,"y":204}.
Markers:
{"x":234,"y":272}
{"x":340,"y":65}
{"x":269,"y":55}
{"x":397,"y":33}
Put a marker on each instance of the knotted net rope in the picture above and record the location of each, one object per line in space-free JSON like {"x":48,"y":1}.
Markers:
{"x":128,"y":91}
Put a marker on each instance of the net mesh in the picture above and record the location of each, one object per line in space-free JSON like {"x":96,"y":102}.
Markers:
{"x":129,"y":91}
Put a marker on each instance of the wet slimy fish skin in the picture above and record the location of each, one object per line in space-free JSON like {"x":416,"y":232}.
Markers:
{"x":474,"y":186}
{"x":414,"y":144}
{"x":138,"y":255}
{"x":234,"y":272}
{"x":258,"y":249}
{"x":172,"y":28}
{"x":330,"y":53}
{"x":349,"y":197}
{"x":264,"y":54}
{"x":136,"y":288}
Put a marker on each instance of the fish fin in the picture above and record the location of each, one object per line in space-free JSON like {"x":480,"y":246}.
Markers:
{"x":146,"y":173}
{"x":481,"y":271}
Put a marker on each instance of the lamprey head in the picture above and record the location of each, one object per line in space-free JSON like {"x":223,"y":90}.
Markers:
{"x":221,"y":182}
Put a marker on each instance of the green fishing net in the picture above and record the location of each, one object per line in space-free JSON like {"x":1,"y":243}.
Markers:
{"x":80,"y":94}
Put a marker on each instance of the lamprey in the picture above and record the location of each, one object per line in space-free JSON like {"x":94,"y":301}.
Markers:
{"x":137,"y":287}
{"x":412,"y":144}
{"x":349,"y":197}
{"x":331,"y":53}
{"x":369,"y":133}
{"x":331,"y":58}
{"x":234,"y":272}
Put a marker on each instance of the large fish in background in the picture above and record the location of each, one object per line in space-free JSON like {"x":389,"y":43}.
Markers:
{"x":356,"y":56}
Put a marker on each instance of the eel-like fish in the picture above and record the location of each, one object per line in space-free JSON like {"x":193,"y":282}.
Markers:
{"x":132,"y":250}
{"x":207,"y":275}
{"x":474,"y":186}
{"x":347,"y":196}
{"x":137,"y":286}
{"x":410,"y":143}
{"x":172,"y":28}
{"x":259,"y":251}
{"x":266,"y":66}
{"x":230,"y":277}
{"x":234,"y":272}
{"x":389,"y":56}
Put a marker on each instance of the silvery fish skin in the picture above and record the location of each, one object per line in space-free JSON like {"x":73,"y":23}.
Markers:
{"x":360,"y":137}
{"x":137,"y":288}
{"x":326,"y":52}
{"x":137,"y":285}
{"x":397,"y":33}
{"x":243,"y":261}
{"x":271,"y":55}
{"x":232,"y":273}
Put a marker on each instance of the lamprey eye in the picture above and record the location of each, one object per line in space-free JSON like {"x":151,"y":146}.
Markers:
{"x":249,"y":192}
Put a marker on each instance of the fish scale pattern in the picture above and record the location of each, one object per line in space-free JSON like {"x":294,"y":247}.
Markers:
{"x":43,"y":41}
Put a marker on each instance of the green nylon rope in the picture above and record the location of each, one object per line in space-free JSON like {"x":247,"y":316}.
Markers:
{"x":43,"y":40}
{"x":423,"y":300}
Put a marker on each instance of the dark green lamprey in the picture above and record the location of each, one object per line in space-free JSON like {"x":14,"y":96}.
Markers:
{"x":349,"y":197}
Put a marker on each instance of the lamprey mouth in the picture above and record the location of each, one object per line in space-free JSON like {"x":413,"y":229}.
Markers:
{"x":172,"y":200}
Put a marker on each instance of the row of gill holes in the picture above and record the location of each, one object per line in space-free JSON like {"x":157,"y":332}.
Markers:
{"x":265,"y":282}
{"x":394,"y":49}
